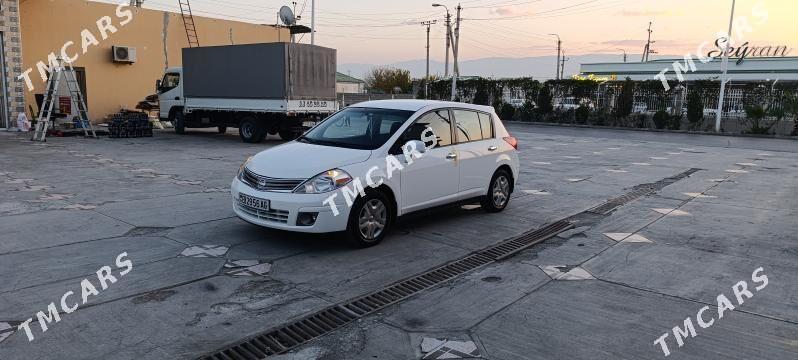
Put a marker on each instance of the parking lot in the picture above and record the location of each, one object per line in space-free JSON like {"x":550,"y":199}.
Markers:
{"x":609,"y":287}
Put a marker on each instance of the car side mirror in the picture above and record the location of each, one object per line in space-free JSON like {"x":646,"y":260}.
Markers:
{"x":157,"y":85}
{"x":416,"y":145}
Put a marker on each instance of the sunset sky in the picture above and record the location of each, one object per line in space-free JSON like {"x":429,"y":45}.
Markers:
{"x":379,"y":31}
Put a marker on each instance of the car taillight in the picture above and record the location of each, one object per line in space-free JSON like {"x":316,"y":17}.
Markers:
{"x":512,"y":141}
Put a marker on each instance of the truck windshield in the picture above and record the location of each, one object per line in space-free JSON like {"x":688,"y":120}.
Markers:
{"x":357,"y":128}
{"x":169,"y":82}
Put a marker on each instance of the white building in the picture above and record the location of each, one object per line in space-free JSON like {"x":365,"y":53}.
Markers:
{"x":767,"y":69}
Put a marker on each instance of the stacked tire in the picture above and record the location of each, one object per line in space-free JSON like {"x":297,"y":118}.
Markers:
{"x":130,"y":124}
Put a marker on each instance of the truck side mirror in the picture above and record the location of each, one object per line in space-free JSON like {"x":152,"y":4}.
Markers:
{"x":157,"y":84}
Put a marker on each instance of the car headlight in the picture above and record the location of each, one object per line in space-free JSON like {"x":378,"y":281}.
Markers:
{"x":327,"y":181}
{"x":243,"y":166}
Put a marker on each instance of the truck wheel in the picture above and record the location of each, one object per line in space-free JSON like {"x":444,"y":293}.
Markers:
{"x":288,"y":135}
{"x":179,"y":121}
{"x":222,"y":129}
{"x":250,"y":130}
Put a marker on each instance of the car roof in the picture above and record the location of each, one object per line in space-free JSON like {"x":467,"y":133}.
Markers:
{"x":416,"y":105}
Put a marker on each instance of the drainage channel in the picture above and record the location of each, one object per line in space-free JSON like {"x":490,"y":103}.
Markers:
{"x":291,"y":335}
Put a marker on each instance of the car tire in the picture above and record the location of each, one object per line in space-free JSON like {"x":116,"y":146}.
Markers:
{"x":221,"y":129}
{"x":370,"y":219}
{"x":179,"y":121}
{"x":288,"y":135}
{"x":499,"y":190}
{"x":250,"y":130}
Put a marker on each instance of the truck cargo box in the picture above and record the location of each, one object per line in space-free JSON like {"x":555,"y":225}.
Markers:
{"x":273,"y":71}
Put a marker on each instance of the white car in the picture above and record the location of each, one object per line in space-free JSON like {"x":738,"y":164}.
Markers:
{"x":405,"y":155}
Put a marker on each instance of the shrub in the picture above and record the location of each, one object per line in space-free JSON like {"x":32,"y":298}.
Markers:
{"x":755,"y":114}
{"x":506,"y":111}
{"x":675,"y":122}
{"x":581,"y":114}
{"x":660,"y":119}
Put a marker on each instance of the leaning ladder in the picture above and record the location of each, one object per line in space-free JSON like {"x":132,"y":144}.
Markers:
{"x":50,"y":98}
{"x":188,"y":22}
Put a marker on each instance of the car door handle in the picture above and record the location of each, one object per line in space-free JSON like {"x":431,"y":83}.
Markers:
{"x":451,"y":156}
{"x":493,"y":148}
{"x":177,"y":97}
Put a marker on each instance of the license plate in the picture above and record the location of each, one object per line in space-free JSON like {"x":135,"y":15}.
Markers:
{"x":253,"y":202}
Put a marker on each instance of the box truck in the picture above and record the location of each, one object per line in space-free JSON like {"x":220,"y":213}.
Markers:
{"x":270,"y":88}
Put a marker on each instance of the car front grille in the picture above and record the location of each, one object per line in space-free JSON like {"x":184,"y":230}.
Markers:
{"x":280,"y":216}
{"x":265,"y":183}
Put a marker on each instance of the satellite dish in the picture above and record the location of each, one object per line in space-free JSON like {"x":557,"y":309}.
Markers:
{"x":287,"y":16}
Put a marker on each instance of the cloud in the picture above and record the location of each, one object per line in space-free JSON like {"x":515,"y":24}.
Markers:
{"x":503,"y":11}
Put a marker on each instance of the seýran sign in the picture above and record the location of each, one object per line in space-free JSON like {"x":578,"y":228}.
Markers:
{"x":745,"y":50}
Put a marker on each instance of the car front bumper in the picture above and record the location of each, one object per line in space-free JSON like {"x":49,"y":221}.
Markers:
{"x":285,"y":207}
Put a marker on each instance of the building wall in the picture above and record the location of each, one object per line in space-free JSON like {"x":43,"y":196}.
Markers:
{"x":12,"y":56}
{"x":47,"y":25}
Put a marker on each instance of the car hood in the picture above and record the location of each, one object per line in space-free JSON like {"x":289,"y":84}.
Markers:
{"x":296,"y":160}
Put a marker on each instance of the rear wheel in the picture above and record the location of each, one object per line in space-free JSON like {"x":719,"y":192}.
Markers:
{"x":250,"y":130}
{"x":499,"y":191}
{"x":369,"y":219}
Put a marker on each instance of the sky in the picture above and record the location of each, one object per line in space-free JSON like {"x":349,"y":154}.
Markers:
{"x":384,"y":32}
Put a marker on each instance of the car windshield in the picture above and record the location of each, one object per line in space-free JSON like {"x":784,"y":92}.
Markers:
{"x":357,"y":128}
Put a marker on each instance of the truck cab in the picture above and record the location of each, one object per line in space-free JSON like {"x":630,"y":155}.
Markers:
{"x":170,"y":93}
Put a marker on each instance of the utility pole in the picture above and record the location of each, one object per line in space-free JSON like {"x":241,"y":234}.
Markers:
{"x":624,"y":54}
{"x":313,"y":22}
{"x":562,"y":67}
{"x":559,"y":45}
{"x":648,"y":44}
{"x":455,"y":52}
{"x":426,"y":78}
{"x":724,"y":66}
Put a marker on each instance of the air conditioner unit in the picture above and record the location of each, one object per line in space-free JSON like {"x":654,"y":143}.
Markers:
{"x":124,"y":54}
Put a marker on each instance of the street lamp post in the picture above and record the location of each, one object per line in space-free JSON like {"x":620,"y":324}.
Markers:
{"x":724,"y":66}
{"x":559,"y":43}
{"x":448,"y":37}
{"x":624,"y":54}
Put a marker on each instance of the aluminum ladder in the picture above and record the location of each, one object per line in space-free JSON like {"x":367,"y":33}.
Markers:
{"x":44,"y":119}
{"x":188,"y":22}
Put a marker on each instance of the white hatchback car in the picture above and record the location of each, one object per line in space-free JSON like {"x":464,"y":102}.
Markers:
{"x":366,"y":165}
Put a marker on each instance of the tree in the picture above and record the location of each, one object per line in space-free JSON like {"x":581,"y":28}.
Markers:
{"x":695,"y":108}
{"x":791,"y":106}
{"x":386,"y":79}
{"x":626,"y":99}
{"x":544,"y":100}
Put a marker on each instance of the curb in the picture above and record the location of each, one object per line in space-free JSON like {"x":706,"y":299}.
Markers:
{"x":692,"y":132}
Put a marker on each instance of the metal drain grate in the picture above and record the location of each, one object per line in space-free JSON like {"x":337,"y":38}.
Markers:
{"x":639,"y":191}
{"x":287,"y":337}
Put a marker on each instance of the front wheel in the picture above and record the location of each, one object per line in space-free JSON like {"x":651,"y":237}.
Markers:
{"x":179,"y":121}
{"x":498,"y":195}
{"x":369,"y":220}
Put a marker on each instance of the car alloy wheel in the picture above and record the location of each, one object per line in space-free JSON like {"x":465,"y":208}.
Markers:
{"x":500,"y":191}
{"x":372,"y":219}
